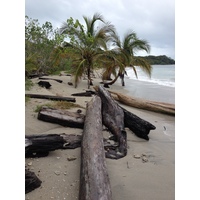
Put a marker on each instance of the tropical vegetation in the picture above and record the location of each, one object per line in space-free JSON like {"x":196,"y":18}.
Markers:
{"x":82,"y":49}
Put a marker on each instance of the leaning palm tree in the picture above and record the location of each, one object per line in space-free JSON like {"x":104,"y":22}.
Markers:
{"x":86,"y":43}
{"x":125,"y":54}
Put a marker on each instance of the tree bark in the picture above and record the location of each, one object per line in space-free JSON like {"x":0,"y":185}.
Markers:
{"x":160,"y":107}
{"x":40,"y":145}
{"x":50,"y":97}
{"x":113,"y":119}
{"x":64,"y":118}
{"x":94,"y":180}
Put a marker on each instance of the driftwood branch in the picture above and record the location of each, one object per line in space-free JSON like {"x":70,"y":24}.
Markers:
{"x":58,"y":80}
{"x":50,"y":97}
{"x":82,"y":94}
{"x":94,"y":180}
{"x":160,"y":107}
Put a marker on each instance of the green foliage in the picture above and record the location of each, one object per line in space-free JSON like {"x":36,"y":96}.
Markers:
{"x":86,"y":43}
{"x":159,"y":60}
{"x":28,"y":84}
{"x":89,"y":46}
{"x":41,"y":43}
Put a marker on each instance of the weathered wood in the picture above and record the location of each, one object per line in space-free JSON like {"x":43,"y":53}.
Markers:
{"x":45,"y":84}
{"x":113,"y":119}
{"x":50,"y":97}
{"x":154,"y":106}
{"x":83,"y":94}
{"x":54,"y":79}
{"x":31,"y":181}
{"x":94,"y":180}
{"x":36,"y":75}
{"x":139,"y":126}
{"x":41,"y":145}
{"x":62,"y":117}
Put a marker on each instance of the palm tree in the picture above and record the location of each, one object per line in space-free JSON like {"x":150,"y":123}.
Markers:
{"x":87,"y":44}
{"x":125,"y":56}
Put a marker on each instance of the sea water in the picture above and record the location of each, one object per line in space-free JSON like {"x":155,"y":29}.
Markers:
{"x":159,"y":87}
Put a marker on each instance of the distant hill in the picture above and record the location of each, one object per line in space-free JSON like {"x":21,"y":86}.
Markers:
{"x":159,"y":60}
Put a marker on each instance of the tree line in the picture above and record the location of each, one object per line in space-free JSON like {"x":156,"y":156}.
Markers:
{"x":83,"y":48}
{"x":159,"y":60}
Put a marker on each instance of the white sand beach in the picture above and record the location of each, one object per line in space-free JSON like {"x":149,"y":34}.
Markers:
{"x":130,"y":177}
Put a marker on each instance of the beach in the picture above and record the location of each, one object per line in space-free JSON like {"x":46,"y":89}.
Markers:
{"x":130,"y":177}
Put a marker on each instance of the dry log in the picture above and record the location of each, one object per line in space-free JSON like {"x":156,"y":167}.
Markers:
{"x":31,"y":181}
{"x":62,"y":117}
{"x":94,"y":180}
{"x":40,"y":145}
{"x":113,"y":119}
{"x":50,"y":97}
{"x":160,"y":107}
{"x":54,"y":79}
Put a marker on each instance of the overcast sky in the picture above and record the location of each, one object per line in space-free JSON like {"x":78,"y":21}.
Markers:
{"x":152,"y":20}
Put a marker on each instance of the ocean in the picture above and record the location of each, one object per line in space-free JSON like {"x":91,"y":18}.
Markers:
{"x":160,"y":87}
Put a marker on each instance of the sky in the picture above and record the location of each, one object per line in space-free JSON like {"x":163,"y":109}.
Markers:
{"x":152,"y":20}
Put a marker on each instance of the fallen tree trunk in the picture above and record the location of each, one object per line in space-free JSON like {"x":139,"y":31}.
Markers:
{"x":94,"y":180}
{"x":40,"y":145}
{"x":62,"y":117}
{"x":140,"y":127}
{"x":50,"y":97}
{"x":159,"y":107}
{"x":54,"y":79}
{"x":31,"y":181}
{"x":113,"y":119}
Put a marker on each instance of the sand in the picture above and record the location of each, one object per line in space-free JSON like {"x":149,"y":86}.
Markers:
{"x":130,"y":177}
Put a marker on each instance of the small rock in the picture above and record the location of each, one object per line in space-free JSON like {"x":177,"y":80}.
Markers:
{"x":57,"y":172}
{"x":144,"y":159}
{"x":71,"y":158}
{"x":137,"y":156}
{"x":29,"y":163}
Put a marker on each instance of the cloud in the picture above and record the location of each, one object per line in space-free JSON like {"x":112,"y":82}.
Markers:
{"x":151,"y":19}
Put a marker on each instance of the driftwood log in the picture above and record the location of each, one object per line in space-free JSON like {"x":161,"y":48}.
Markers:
{"x":62,"y":117}
{"x":31,"y":181}
{"x":160,"y":107}
{"x":40,"y":145}
{"x":54,"y":79}
{"x":45,"y":84}
{"x":94,"y":180}
{"x":113,"y":119}
{"x":50,"y":97}
{"x":139,"y":126}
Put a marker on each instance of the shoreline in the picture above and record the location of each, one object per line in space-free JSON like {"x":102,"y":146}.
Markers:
{"x":130,"y":177}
